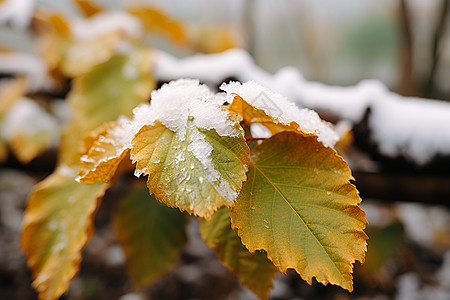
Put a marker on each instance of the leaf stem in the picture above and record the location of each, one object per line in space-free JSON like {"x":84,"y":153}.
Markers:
{"x":254,"y":139}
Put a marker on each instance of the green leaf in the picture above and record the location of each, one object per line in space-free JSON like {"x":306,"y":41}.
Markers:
{"x":255,"y":271}
{"x":57,"y":224}
{"x":108,"y":91}
{"x":196,"y":180}
{"x":151,"y":234}
{"x":299,"y":206}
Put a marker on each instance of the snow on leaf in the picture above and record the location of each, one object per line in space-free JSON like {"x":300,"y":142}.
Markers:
{"x":193,"y":150}
{"x":254,"y":270}
{"x":299,"y":206}
{"x":198,"y":174}
{"x":151,"y":234}
{"x":105,"y":153}
{"x":279,"y":108}
{"x":57,"y":225}
{"x":29,"y":129}
{"x":76,"y":46}
{"x":253,"y":115}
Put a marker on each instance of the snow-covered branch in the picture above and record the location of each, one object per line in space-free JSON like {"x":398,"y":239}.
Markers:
{"x":414,"y":128}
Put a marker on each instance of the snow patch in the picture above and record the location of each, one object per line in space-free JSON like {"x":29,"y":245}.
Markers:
{"x":279,"y":107}
{"x":28,"y":118}
{"x":33,"y":67}
{"x":17,"y":12}
{"x":418,"y":129}
{"x":104,"y":23}
{"x":202,"y":151}
{"x":185,"y":99}
{"x":412,"y":127}
{"x":211,"y":68}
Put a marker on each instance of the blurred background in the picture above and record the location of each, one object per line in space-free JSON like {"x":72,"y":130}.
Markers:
{"x":404,"y":44}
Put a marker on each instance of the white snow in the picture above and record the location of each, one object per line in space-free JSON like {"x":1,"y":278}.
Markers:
{"x":347,"y":102}
{"x":202,"y":151}
{"x":17,"y":12}
{"x":28,"y":118}
{"x":212,"y":68}
{"x":65,"y":171}
{"x":104,"y":23}
{"x":419,"y":129}
{"x":279,"y":107}
{"x":26,"y":64}
{"x":422,"y":222}
{"x":176,"y":102}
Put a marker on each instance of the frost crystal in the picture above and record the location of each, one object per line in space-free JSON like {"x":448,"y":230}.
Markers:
{"x":279,"y":107}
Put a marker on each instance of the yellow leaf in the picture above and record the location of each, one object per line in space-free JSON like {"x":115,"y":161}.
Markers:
{"x":81,"y":56}
{"x":100,"y":163}
{"x":70,"y":54}
{"x":178,"y":178}
{"x":155,"y":21}
{"x":253,"y":115}
{"x":299,"y":206}
{"x":57,"y":225}
{"x":253,"y":270}
{"x":10,"y":91}
{"x":108,"y":91}
{"x":213,"y":39}
{"x":95,"y":134}
{"x":88,"y":8}
{"x":26,"y":147}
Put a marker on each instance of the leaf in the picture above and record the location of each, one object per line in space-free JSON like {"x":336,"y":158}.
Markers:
{"x":82,"y":55}
{"x":57,"y":224}
{"x":26,"y":147}
{"x":155,"y":21}
{"x":253,"y":115}
{"x":213,"y":39}
{"x":253,"y":270}
{"x":110,"y":90}
{"x":151,"y":234}
{"x":104,"y":155}
{"x":88,"y":8}
{"x":198,"y":174}
{"x":299,"y":206}
{"x":274,"y":110}
{"x":29,"y":129}
{"x":71,"y":53}
{"x":10,"y":91}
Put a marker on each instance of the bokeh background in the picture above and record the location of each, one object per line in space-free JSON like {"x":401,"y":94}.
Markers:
{"x":405,"y":44}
